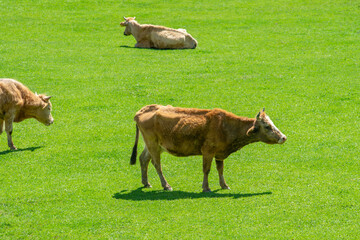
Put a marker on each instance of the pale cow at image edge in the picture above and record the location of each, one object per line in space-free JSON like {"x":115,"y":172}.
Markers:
{"x":18,"y":103}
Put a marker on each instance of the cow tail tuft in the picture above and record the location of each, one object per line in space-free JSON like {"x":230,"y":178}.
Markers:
{"x":134,"y":152}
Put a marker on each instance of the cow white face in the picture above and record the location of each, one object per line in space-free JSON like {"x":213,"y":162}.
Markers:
{"x":127,"y":26}
{"x":265,"y":130}
{"x":43,"y":113}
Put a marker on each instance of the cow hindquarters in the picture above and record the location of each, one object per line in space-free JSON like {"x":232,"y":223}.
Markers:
{"x":190,"y":42}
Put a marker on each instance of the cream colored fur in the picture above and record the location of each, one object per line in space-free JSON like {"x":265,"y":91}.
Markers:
{"x":17,"y":103}
{"x":152,"y":36}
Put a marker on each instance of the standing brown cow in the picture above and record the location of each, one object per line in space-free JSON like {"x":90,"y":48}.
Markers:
{"x":18,"y":103}
{"x":188,"y":131}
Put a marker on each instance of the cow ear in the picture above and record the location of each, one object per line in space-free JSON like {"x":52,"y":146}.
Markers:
{"x":260,"y":116}
{"x":252,"y":131}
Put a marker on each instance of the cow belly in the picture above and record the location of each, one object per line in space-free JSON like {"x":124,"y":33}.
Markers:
{"x":182,"y":149}
{"x":178,"y":133}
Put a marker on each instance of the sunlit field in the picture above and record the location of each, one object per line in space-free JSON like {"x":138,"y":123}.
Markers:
{"x":72,"y":180}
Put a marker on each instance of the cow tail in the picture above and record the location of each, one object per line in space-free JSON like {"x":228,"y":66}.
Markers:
{"x":134,"y":152}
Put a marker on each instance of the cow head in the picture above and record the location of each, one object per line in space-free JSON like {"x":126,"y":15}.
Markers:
{"x":265,"y":130}
{"x":127,"y":24}
{"x":43,"y":112}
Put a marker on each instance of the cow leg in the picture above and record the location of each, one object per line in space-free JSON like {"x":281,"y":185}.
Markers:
{"x":142,"y":45}
{"x":155,"y":160}
{"x":145,"y":158}
{"x":8,"y":130}
{"x":220,"y":168}
{"x":1,"y":126}
{"x":207,"y":159}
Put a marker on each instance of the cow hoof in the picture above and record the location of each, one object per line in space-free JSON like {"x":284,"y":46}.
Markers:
{"x":225,"y":187}
{"x":13,"y":148}
{"x":168,"y":188}
{"x":206,"y":190}
{"x":147,"y":185}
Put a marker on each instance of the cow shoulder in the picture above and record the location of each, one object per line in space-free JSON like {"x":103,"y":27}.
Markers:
{"x":146,"y":31}
{"x":223,"y":125}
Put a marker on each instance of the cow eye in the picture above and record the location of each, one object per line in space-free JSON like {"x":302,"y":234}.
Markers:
{"x":267,"y":127}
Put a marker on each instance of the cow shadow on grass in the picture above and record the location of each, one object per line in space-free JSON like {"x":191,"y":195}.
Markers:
{"x":154,"y":49}
{"x":124,"y":46}
{"x":140,"y":195}
{"x":31,"y":149}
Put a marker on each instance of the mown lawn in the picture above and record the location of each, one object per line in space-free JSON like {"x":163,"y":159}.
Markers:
{"x":72,"y":180}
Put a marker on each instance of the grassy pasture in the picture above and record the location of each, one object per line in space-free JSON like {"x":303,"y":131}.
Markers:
{"x":299,"y":59}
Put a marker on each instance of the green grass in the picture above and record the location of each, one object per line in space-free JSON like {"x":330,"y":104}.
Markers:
{"x":299,"y":59}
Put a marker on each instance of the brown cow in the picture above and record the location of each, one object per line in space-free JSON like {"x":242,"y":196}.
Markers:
{"x":151,"y":36}
{"x":188,"y":131}
{"x":17,"y":103}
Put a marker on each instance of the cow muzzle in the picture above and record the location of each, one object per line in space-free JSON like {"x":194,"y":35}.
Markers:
{"x":51,"y":121}
{"x":282,"y":139}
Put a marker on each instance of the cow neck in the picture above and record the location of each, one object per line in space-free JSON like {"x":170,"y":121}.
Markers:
{"x":31,"y":104}
{"x":242,"y":138}
{"x":135,"y":28}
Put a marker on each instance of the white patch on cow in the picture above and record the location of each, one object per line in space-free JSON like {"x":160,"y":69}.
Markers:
{"x":283,"y":137}
{"x":268,"y":120}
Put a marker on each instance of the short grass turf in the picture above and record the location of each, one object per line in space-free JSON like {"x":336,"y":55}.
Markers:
{"x":72,"y":180}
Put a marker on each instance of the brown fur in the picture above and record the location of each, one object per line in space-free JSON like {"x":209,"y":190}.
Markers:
{"x":18,"y":103}
{"x":152,"y":36}
{"x":188,"y":131}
